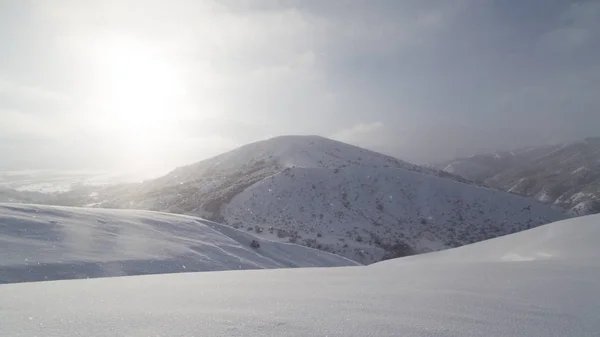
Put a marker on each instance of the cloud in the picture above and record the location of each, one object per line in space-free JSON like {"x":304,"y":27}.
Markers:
{"x":578,"y":25}
{"x":30,"y":92}
{"x":399,"y":76}
{"x":568,"y":38}
{"x":359,"y":133}
{"x":17,"y":125}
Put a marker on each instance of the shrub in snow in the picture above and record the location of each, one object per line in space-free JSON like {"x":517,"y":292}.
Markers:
{"x":255,"y":244}
{"x":282,"y":233}
{"x":399,"y":249}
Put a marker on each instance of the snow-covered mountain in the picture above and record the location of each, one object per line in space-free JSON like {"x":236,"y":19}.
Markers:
{"x":537,"y":283}
{"x":566,"y":175}
{"x":12,"y":195}
{"x":48,"y":243}
{"x":333,"y":196}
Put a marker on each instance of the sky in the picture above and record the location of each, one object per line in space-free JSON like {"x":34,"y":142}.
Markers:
{"x":148,"y":84}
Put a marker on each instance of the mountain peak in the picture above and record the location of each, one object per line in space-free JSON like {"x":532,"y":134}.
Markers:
{"x":296,"y":151}
{"x":299,"y":138}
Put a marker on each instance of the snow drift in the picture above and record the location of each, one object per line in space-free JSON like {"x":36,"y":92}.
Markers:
{"x":469,"y":291}
{"x":49,"y":243}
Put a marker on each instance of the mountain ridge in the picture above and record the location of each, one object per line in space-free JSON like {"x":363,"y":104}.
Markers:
{"x":566,"y":175}
{"x":336,"y":197}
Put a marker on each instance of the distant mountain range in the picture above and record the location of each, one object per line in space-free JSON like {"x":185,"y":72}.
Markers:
{"x":12,"y":195}
{"x":329,"y":195}
{"x":566,"y":175}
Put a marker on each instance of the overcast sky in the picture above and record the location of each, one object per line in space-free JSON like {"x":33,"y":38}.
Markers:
{"x":144,"y":84}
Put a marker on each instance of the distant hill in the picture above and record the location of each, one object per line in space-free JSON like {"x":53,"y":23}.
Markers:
{"x":565,"y":175}
{"x":11,"y":195}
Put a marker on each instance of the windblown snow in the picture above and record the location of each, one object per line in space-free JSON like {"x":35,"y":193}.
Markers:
{"x":537,"y":283}
{"x":47,"y":243}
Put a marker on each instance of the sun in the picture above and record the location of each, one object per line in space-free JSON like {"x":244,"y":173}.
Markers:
{"x":137,"y":91}
{"x":140,"y":87}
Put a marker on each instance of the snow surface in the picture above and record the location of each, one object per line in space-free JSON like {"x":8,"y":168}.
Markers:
{"x":572,"y":241}
{"x":549,"y":286}
{"x":544,"y":197}
{"x":581,"y":169}
{"x":582,"y":208}
{"x":517,"y":186}
{"x":578,"y":197}
{"x":46,"y":243}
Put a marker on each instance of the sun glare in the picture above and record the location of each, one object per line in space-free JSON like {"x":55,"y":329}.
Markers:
{"x":137,"y":94}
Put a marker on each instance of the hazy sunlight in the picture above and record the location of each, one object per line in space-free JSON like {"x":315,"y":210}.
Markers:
{"x":137,"y":94}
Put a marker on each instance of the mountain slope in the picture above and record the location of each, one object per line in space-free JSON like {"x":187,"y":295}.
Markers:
{"x":46,"y":243}
{"x":11,"y":195}
{"x":202,"y":187}
{"x":478,"y":293}
{"x":572,"y":241}
{"x":566,"y":175}
{"x":482,"y":166}
{"x":340,"y":198}
{"x":370,"y":215}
